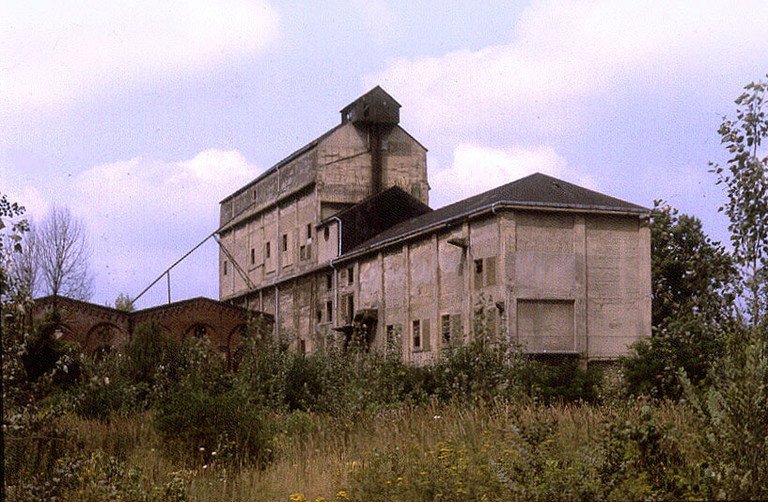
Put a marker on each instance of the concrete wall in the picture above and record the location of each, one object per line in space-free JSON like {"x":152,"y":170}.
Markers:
{"x":550,"y":282}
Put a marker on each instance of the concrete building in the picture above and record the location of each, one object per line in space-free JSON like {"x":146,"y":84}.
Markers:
{"x":339,"y":234}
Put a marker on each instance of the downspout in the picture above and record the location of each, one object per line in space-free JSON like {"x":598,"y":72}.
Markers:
{"x":335,"y":275}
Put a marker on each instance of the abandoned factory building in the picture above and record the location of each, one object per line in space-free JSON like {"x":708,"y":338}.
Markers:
{"x":341,"y":231}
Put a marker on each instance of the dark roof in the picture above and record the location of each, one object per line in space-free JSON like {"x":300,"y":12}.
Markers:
{"x":537,"y":191}
{"x":376,"y":214}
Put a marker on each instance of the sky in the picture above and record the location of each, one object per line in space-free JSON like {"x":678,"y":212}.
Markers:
{"x":140,"y":116}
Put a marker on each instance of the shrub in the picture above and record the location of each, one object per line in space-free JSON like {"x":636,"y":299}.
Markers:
{"x":199,"y":425}
{"x":734,"y":415}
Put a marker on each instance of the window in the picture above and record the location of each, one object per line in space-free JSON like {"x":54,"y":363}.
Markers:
{"x":225,"y":267}
{"x":490,"y":271}
{"x":329,"y":281}
{"x":302,"y":347}
{"x":445,"y":329}
{"x":478,"y":274}
{"x":309,"y":231}
{"x":319,"y":315}
{"x":326,"y":233}
{"x":329,"y":311}
{"x":267,"y":250}
{"x":253,"y":256}
{"x":302,"y":252}
{"x":546,"y":325}
{"x":420,"y":333}
{"x":350,"y":275}
{"x":285,"y":242}
{"x":485,"y":272}
{"x":348,"y":308}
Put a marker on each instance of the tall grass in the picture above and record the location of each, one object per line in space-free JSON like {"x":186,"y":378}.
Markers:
{"x":438,"y":450}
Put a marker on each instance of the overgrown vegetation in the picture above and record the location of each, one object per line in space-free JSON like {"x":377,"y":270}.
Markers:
{"x":685,"y":416}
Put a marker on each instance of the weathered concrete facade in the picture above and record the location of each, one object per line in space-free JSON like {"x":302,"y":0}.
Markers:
{"x":556,"y":268}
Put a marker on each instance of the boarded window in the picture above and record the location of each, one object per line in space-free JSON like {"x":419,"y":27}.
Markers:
{"x":545,"y":325}
{"x":426,"y":339}
{"x":450,"y":330}
{"x":457,"y":329}
{"x":490,"y":271}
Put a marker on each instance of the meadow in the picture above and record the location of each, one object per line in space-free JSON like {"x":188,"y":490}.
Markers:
{"x":162,"y":420}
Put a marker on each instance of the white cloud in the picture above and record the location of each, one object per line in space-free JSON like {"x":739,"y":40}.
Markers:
{"x":567,"y":52}
{"x":476,"y":169}
{"x":143,"y":214}
{"x":52,"y":52}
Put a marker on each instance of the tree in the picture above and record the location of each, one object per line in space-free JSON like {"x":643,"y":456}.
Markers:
{"x":12,"y":230}
{"x":693,"y":281}
{"x":123,"y":302}
{"x":63,"y":255}
{"x":745,"y":177}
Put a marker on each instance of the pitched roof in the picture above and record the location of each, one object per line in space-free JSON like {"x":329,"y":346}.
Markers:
{"x":376,"y":214}
{"x":537,"y":191}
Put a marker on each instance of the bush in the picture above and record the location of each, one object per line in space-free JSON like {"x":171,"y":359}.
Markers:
{"x":560,"y":380}
{"x":734,"y":417}
{"x":202,"y":426}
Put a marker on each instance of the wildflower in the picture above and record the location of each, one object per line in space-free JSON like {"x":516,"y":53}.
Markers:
{"x":436,"y":417}
{"x":298,"y":497}
{"x":342,"y":495}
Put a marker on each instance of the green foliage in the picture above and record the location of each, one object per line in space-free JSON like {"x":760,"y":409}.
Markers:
{"x":745,"y":177}
{"x":561,"y":380}
{"x":734,"y":416}
{"x":693,"y":281}
{"x":202,"y":425}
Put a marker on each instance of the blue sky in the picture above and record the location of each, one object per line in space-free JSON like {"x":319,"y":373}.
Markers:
{"x":140,"y":116}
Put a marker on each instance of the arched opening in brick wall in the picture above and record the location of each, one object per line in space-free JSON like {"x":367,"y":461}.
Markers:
{"x":102,"y":338}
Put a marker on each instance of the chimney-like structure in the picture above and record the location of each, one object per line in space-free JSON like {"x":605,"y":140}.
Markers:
{"x":375,"y":112}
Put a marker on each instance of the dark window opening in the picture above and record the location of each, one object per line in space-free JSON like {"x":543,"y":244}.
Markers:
{"x":350,"y":275}
{"x":285,"y":242}
{"x":225,"y":268}
{"x":267,"y":250}
{"x":416,"y":330}
{"x":329,"y":311}
{"x":329,"y":281}
{"x":445,"y":329}
{"x":309,"y":231}
{"x":253,"y":256}
{"x":326,"y":233}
